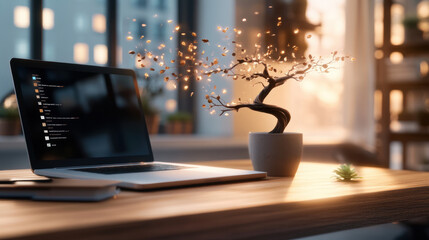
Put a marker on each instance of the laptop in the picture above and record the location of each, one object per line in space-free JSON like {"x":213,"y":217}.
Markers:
{"x":87,"y":122}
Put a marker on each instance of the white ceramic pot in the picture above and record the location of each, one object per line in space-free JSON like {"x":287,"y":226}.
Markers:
{"x":278,"y":154}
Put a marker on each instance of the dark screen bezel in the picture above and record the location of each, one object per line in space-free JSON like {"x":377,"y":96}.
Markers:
{"x":43,"y":164}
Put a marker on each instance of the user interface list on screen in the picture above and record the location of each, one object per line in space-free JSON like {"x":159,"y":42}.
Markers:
{"x":77,"y":115}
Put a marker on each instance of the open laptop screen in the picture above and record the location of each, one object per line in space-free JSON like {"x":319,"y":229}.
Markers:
{"x":80,"y":115}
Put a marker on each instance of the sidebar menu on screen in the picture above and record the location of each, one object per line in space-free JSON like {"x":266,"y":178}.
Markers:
{"x":54,"y":126}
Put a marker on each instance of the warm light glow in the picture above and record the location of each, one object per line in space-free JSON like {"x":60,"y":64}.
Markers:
{"x":424,"y":68}
{"x":396,"y":57}
{"x":170,"y":105}
{"x":48,"y":19}
{"x":377,"y":104}
{"x":378,"y":54}
{"x":81,"y":53}
{"x":10,"y":102}
{"x":100,"y":54}
{"x":397,"y":12}
{"x":378,"y":24}
{"x":423,"y":9}
{"x":171,"y":85}
{"x":99,"y":23}
{"x":396,"y":98}
{"x":21,"y":17}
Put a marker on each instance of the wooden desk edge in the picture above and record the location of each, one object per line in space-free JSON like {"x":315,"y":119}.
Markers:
{"x":288,"y":220}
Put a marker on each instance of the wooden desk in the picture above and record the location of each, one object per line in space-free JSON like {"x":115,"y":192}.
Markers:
{"x":311,"y":203}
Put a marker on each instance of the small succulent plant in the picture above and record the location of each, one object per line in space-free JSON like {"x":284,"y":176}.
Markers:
{"x":345,"y":172}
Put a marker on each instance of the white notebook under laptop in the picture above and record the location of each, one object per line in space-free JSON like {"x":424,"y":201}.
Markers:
{"x":87,"y":122}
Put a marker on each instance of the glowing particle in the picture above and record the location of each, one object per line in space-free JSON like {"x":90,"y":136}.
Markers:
{"x":224,"y":91}
{"x":256,"y":13}
{"x":227,"y":114}
{"x":244,"y":20}
{"x":185,"y":87}
{"x":239,"y":32}
{"x":146,"y":75}
{"x":169,"y":21}
{"x":279,"y":18}
{"x":258,"y":35}
{"x":144,"y":25}
{"x":161,"y":46}
{"x":353,"y":59}
{"x":177,"y":28}
{"x":129,"y":38}
{"x":296,"y":31}
{"x":148,"y":41}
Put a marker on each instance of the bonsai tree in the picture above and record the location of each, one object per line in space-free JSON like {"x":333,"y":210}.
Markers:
{"x":260,"y":68}
{"x":297,"y":71}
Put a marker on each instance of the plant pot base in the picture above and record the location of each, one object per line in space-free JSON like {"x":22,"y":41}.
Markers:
{"x":278,"y":154}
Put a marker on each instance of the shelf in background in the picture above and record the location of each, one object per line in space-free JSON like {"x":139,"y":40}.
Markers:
{"x":409,"y":85}
{"x":414,"y":48}
{"x":410,"y":136}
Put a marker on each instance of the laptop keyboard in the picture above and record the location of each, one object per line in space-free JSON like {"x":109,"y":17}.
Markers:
{"x":131,"y":169}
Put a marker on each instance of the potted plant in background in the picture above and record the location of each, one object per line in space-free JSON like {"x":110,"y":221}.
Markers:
{"x":412,"y":31}
{"x":9,"y":121}
{"x":151,"y":116}
{"x":149,"y":91}
{"x":179,"y":123}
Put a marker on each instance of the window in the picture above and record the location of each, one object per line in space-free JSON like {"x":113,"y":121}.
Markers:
{"x":149,"y":28}
{"x":316,"y":103}
{"x":75,"y":31}
{"x":15,"y":23}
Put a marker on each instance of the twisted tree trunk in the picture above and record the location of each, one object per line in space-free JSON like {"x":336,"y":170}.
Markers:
{"x":282,"y":115}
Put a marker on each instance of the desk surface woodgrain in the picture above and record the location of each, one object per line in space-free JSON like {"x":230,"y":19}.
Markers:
{"x":311,"y":203}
